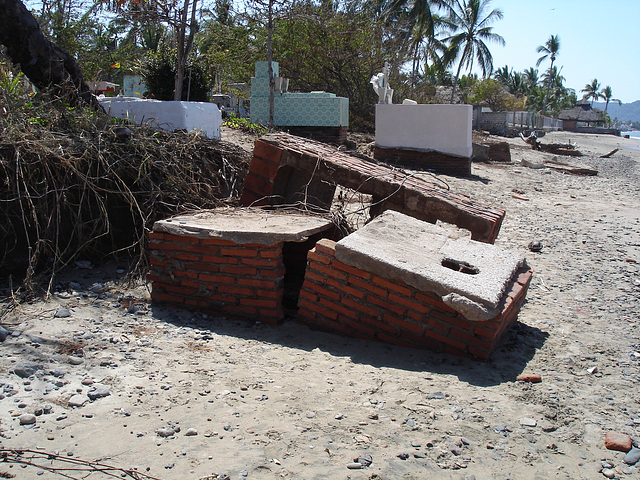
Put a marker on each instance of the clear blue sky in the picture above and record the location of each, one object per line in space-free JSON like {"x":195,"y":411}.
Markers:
{"x":598,"y":39}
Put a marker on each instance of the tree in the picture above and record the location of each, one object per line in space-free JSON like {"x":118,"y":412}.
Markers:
{"x":592,"y":91}
{"x":548,"y":50}
{"x":48,"y":66}
{"x":468,"y":16}
{"x":606,"y":95}
{"x":418,"y":23}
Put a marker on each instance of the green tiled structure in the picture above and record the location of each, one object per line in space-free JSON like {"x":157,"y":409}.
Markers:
{"x":315,"y":109}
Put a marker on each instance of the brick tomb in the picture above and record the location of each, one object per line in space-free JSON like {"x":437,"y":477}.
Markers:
{"x":397,"y":280}
{"x":232,"y":262}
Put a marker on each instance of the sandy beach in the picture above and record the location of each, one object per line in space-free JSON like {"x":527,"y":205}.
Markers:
{"x":180,"y":395}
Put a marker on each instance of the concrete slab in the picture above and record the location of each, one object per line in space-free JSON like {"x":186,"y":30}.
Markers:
{"x":470,"y":276}
{"x":246,"y":225}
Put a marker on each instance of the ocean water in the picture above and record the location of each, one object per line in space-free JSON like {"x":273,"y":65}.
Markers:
{"x":633,"y":136}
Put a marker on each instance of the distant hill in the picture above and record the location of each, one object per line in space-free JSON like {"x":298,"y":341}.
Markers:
{"x":629,"y":112}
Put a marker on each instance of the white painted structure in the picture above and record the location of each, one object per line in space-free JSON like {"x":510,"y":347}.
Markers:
{"x":441,"y":128}
{"x":167,"y":115}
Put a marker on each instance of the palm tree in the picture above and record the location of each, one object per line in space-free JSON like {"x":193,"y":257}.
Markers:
{"x":606,"y":94}
{"x":468,"y":16}
{"x":592,"y":91}
{"x":420,"y":23}
{"x":549,"y":50}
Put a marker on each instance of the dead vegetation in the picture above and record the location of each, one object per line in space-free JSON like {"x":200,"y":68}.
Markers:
{"x":76,"y":184}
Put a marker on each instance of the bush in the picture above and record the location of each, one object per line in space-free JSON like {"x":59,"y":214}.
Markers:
{"x":159,"y":75}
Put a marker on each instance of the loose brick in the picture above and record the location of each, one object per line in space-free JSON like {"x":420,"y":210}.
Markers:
{"x":316,"y":257}
{"x":326,"y":246}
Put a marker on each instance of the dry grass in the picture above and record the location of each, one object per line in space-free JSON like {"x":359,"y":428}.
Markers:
{"x":72,"y":187}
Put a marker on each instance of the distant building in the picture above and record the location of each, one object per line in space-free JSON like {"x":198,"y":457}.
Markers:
{"x":582,"y":115}
{"x":103,"y":88}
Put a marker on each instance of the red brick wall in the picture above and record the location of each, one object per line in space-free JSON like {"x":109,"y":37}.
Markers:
{"x":217,"y":276}
{"x":338,"y":298}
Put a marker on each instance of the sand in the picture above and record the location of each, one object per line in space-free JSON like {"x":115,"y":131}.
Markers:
{"x":262,"y":402}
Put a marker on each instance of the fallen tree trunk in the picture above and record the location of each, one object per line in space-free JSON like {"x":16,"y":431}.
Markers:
{"x":48,"y":67}
{"x":565,"y":149}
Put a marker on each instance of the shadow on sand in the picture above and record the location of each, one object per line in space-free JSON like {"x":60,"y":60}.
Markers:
{"x":509,"y":359}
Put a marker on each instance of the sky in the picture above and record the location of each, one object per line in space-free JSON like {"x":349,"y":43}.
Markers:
{"x":599,"y":39}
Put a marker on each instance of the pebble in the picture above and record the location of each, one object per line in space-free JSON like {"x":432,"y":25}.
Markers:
{"x":609,"y":472}
{"x":27,"y":419}
{"x":191,"y":432}
{"x":435,"y":396}
{"x":365,"y":460}
{"x":529,"y":377}
{"x":99,"y":391}
{"x":617,"y":441}
{"x":354,"y":465}
{"x":78,"y":400}
{"x":73,"y":360}
{"x":4,"y":333}
{"x":528,"y":422}
{"x":62,"y":312}
{"x":25,"y":370}
{"x":165,"y":432}
{"x":632,"y":457}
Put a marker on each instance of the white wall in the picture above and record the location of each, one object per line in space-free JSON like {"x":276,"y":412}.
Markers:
{"x":443,"y":128}
{"x":167,"y":115}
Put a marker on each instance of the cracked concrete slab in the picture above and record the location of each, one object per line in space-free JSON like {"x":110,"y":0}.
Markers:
{"x":470,"y":276}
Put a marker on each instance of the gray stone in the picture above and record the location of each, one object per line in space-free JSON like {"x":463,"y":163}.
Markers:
{"x":354,"y":465}
{"x":62,"y":312}
{"x":528,"y":422}
{"x":26,"y":369}
{"x":4,"y":333}
{"x":99,"y":391}
{"x":435,"y":396}
{"x":632,"y":457}
{"x":78,"y":400}
{"x":73,"y":360}
{"x":165,"y":432}
{"x":191,"y":432}
{"x":27,"y":419}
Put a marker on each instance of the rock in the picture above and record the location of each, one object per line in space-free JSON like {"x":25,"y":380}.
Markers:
{"x":27,"y":419}
{"x":535,"y":246}
{"x":73,"y":360}
{"x":435,"y":396}
{"x":165,"y":432}
{"x":529,"y":377}
{"x":609,"y":472}
{"x":354,"y":465}
{"x":617,"y":441}
{"x":77,"y":401}
{"x":25,"y":370}
{"x":191,"y":432}
{"x":632,"y":457}
{"x":403,"y":456}
{"x":365,"y":460}
{"x":528,"y":422}
{"x":4,"y":333}
{"x":62,"y":312}
{"x":99,"y":391}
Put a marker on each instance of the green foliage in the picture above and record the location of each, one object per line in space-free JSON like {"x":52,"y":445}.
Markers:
{"x":490,"y":93}
{"x":159,"y":76}
{"x":244,"y":124}
{"x":341,"y":51}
